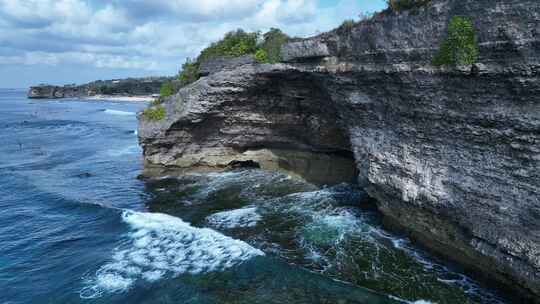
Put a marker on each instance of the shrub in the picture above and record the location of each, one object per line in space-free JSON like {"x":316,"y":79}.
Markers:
{"x":460,"y":46}
{"x":155,"y":113}
{"x":272,"y":42}
{"x":166,"y":89}
{"x":189,"y":72}
{"x":235,"y":44}
{"x":403,"y":5}
{"x":261,"y":56}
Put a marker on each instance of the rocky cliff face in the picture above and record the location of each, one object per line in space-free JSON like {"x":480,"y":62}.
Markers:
{"x":452,"y":155}
{"x":217,"y":64}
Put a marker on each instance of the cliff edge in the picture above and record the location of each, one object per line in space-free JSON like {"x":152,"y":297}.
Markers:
{"x":451,"y":154}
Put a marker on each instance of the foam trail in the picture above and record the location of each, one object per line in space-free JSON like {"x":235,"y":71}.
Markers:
{"x":245,"y":217}
{"x":163,"y":246}
{"x":117,"y":112}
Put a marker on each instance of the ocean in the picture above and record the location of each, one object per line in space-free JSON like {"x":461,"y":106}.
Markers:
{"x":79,"y":226}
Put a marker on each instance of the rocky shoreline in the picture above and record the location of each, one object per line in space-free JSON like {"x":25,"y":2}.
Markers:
{"x":451,"y":154}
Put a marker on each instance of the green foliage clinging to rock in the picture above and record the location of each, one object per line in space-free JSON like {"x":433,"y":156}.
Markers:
{"x":234,"y":44}
{"x":166,"y":89}
{"x":189,"y":72}
{"x":271,"y":45}
{"x":261,"y":56}
{"x":154,"y":113}
{"x":460,"y":46}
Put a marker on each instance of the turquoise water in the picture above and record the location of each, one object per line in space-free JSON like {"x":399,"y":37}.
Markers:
{"x":79,"y":227}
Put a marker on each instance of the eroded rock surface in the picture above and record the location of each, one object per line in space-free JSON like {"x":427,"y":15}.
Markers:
{"x":216,"y":64}
{"x":451,"y":154}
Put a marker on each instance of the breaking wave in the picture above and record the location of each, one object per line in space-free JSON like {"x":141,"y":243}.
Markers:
{"x":162,"y":246}
{"x":117,"y":112}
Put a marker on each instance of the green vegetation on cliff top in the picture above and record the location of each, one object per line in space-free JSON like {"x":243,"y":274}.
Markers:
{"x":265,"y":49}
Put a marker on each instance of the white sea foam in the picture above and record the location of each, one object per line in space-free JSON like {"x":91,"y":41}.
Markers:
{"x":245,"y":217}
{"x":162,"y":246}
{"x":117,"y":112}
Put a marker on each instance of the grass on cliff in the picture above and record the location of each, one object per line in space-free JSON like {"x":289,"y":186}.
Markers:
{"x":265,"y":48}
{"x":460,"y":46}
{"x":154,"y":113}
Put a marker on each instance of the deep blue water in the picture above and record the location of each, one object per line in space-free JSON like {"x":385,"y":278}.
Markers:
{"x":77,"y":226}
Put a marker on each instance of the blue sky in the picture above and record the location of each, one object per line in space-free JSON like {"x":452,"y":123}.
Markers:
{"x":76,"y":41}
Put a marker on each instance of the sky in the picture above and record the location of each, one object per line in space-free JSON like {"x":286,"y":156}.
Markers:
{"x":77,"y":41}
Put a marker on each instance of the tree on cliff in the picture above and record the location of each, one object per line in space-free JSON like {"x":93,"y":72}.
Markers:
{"x":166,"y":89}
{"x":271,"y":45}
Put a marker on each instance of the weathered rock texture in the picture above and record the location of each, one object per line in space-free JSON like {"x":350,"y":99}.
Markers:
{"x":220,"y":63}
{"x":452,"y":155}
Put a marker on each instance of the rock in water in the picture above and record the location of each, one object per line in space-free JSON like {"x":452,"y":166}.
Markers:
{"x":451,"y":154}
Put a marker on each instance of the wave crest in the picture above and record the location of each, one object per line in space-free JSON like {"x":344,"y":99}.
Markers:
{"x":161,"y":245}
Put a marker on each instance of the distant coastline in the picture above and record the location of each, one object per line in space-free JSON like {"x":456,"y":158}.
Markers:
{"x":130,"y":89}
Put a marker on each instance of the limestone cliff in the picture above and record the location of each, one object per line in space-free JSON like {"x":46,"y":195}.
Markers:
{"x":452,"y":155}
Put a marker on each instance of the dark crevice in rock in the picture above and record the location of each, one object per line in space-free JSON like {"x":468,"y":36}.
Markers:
{"x":236,"y":164}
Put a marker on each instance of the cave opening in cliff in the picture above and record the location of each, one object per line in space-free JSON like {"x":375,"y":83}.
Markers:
{"x":287,"y":122}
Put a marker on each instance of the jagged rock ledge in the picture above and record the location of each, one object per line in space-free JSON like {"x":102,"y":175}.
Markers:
{"x":452,"y":155}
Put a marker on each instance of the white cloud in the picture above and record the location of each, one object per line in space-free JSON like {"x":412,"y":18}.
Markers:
{"x":149,"y":35}
{"x":42,"y":12}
